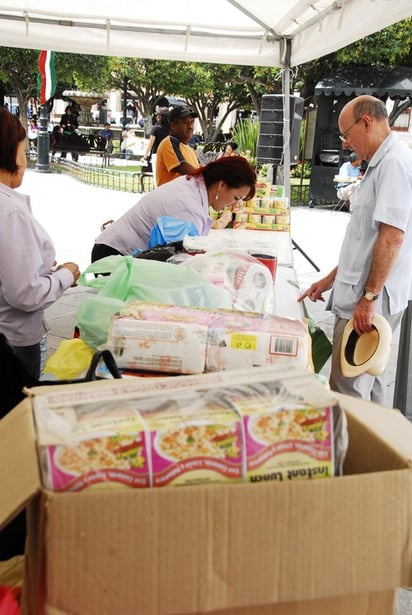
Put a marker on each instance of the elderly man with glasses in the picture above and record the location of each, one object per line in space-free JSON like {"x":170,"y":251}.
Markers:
{"x":374,"y":273}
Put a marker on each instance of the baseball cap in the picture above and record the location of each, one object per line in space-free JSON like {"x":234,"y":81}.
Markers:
{"x":181,"y":112}
{"x":367,"y":353}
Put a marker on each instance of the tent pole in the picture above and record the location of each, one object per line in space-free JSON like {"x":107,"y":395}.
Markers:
{"x":286,"y":135}
{"x":286,"y":114}
{"x":286,"y":130}
{"x":402,"y":397}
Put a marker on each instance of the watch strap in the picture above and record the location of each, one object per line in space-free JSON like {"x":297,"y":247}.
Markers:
{"x":368,"y":294}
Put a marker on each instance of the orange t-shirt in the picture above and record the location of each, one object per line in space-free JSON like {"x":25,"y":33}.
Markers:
{"x":170,"y":155}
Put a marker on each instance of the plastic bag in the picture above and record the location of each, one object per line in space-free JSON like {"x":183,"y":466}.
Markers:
{"x":149,"y":280}
{"x":321,"y":345}
{"x":71,"y":358}
{"x":248,"y":282}
{"x":93,"y":318}
{"x":169,"y":229}
{"x":134,"y":279}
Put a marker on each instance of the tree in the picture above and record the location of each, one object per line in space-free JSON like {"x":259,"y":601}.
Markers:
{"x":19,"y":71}
{"x":204,"y":86}
{"x":148,"y":80}
{"x":391,"y":46}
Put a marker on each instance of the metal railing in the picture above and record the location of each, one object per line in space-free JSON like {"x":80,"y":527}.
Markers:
{"x":101,"y":177}
{"x":125,"y":181}
{"x":131,"y":181}
{"x":299,"y":194}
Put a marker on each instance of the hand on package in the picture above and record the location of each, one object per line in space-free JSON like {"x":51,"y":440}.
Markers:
{"x":224,"y":220}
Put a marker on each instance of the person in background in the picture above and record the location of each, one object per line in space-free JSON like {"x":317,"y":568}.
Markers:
{"x":30,"y":280}
{"x":350,"y":169}
{"x":107,"y":134}
{"x":33,"y":132}
{"x":130,"y":144}
{"x":69,"y":124}
{"x":374,"y":273}
{"x":229,"y":149}
{"x":219,"y":184}
{"x":159,"y":131}
{"x":174,"y":156}
{"x":123,"y":138}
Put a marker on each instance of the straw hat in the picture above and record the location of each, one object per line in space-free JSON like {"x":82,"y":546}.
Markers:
{"x":367,"y":353}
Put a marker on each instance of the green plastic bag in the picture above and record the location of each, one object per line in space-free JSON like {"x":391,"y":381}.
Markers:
{"x":321,"y":345}
{"x":153,"y":281}
{"x":133,"y":279}
{"x":93,"y":318}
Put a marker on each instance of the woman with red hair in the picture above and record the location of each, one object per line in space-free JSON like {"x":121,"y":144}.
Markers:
{"x":219,"y":184}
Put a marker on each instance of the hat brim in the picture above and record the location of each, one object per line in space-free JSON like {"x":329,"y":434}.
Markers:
{"x":183,"y":116}
{"x":367,"y":353}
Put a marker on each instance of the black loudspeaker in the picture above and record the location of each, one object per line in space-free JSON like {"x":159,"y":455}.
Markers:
{"x":270,"y":141}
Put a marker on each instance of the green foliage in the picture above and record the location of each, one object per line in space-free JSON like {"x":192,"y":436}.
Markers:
{"x":19,"y":70}
{"x":302,"y":169}
{"x":246,"y":134}
{"x":391,"y":46}
{"x":82,"y":72}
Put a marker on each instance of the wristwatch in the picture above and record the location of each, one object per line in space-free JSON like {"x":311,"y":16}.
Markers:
{"x":369,"y":296}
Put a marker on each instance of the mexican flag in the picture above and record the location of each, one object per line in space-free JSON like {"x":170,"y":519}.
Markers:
{"x":47,"y":76}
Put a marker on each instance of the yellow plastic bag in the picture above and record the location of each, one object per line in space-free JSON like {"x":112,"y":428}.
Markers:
{"x":71,"y":358}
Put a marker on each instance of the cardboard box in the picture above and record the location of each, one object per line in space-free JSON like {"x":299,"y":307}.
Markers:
{"x":335,"y":546}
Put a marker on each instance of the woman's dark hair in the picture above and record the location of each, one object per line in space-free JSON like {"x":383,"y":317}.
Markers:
{"x":11,"y":134}
{"x":163,"y":116}
{"x":232,"y":144}
{"x":235,"y":171}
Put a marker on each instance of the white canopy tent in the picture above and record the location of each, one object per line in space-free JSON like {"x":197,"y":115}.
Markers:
{"x":254,"y":32}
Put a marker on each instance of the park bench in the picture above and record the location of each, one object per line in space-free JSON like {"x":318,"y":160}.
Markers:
{"x":77,"y":143}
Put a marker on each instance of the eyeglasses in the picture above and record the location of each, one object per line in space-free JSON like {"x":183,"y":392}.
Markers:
{"x":344,"y":137}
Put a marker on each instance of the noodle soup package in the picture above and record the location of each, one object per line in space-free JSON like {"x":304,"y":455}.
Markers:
{"x":193,"y":440}
{"x":85,"y":445}
{"x":223,"y":427}
{"x":285,"y":437}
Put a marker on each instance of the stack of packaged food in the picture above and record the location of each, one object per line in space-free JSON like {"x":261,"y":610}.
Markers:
{"x":267,"y":211}
{"x":234,"y":427}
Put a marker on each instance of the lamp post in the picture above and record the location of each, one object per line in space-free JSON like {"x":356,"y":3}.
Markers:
{"x":124,"y":119}
{"x":43,"y":143}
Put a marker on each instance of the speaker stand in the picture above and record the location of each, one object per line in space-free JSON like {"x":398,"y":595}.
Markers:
{"x":297,"y":247}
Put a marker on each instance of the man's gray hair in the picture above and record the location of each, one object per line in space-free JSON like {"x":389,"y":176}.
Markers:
{"x":374,"y":107}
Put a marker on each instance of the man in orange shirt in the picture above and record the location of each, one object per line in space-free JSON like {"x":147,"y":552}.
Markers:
{"x":174,"y":156}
